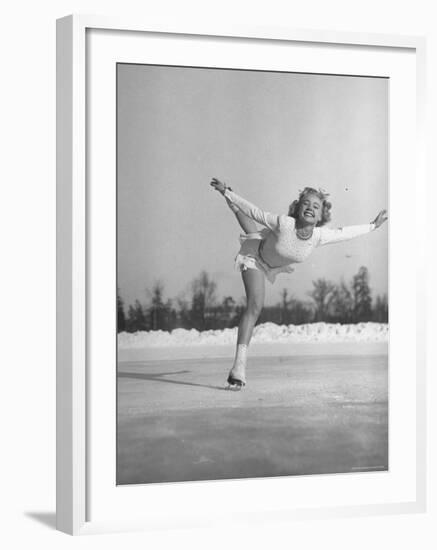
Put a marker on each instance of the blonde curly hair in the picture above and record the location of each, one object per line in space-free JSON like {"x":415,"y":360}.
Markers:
{"x":322,"y":195}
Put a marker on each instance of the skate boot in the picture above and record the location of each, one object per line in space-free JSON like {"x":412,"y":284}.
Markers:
{"x":236,"y":380}
{"x":237,"y":375}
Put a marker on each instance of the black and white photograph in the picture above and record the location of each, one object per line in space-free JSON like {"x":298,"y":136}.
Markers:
{"x":252,"y":274}
{"x":219,"y":260}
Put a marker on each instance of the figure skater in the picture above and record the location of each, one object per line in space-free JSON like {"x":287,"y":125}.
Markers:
{"x":284,"y":241}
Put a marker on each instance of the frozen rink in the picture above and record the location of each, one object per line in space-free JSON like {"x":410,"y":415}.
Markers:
{"x":309,"y":408}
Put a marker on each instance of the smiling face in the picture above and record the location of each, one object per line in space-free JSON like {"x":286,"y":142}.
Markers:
{"x":310,"y":209}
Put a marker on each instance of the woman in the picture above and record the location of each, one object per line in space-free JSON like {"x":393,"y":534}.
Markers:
{"x":284,"y":241}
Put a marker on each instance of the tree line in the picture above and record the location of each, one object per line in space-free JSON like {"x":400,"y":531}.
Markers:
{"x":201,"y":309}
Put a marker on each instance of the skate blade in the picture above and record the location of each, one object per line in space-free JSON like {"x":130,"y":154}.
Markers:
{"x":234,"y":387}
{"x":234,"y":384}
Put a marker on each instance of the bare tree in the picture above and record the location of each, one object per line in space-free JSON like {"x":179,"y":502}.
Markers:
{"x":121,"y":316}
{"x":362,"y":295}
{"x":284,"y":305}
{"x":203,"y":300}
{"x":157,"y":308}
{"x":321,"y":294}
{"x":136,"y":318}
{"x":380,"y":309}
{"x":342,"y":303}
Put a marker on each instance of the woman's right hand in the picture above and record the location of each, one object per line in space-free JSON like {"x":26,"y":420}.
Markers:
{"x":218,"y":185}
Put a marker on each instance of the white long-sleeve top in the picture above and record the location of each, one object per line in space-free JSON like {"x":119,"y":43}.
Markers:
{"x":281,"y":246}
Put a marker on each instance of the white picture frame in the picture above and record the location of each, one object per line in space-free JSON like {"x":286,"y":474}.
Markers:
{"x":74,"y":471}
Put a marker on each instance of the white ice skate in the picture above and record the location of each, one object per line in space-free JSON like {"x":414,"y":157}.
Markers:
{"x":237,"y":377}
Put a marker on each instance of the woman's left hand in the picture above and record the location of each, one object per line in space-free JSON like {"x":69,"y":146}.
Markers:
{"x":380,"y":218}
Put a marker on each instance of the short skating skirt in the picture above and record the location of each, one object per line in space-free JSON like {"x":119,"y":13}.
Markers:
{"x":249,"y":257}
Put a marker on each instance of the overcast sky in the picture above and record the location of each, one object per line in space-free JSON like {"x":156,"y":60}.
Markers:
{"x":267,"y":135}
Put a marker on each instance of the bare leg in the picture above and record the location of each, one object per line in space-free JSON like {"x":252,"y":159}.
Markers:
{"x":246,"y":223}
{"x":254,"y":284}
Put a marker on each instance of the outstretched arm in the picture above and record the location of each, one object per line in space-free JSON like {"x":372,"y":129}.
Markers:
{"x":328,"y":236}
{"x":265,"y":218}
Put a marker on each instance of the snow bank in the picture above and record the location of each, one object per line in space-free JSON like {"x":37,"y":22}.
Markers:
{"x":265,"y":333}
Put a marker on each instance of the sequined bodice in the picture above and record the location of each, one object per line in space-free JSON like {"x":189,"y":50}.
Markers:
{"x":284,"y":247}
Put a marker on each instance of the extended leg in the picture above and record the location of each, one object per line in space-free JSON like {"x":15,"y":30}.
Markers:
{"x":246,"y":223}
{"x":254,"y":284}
